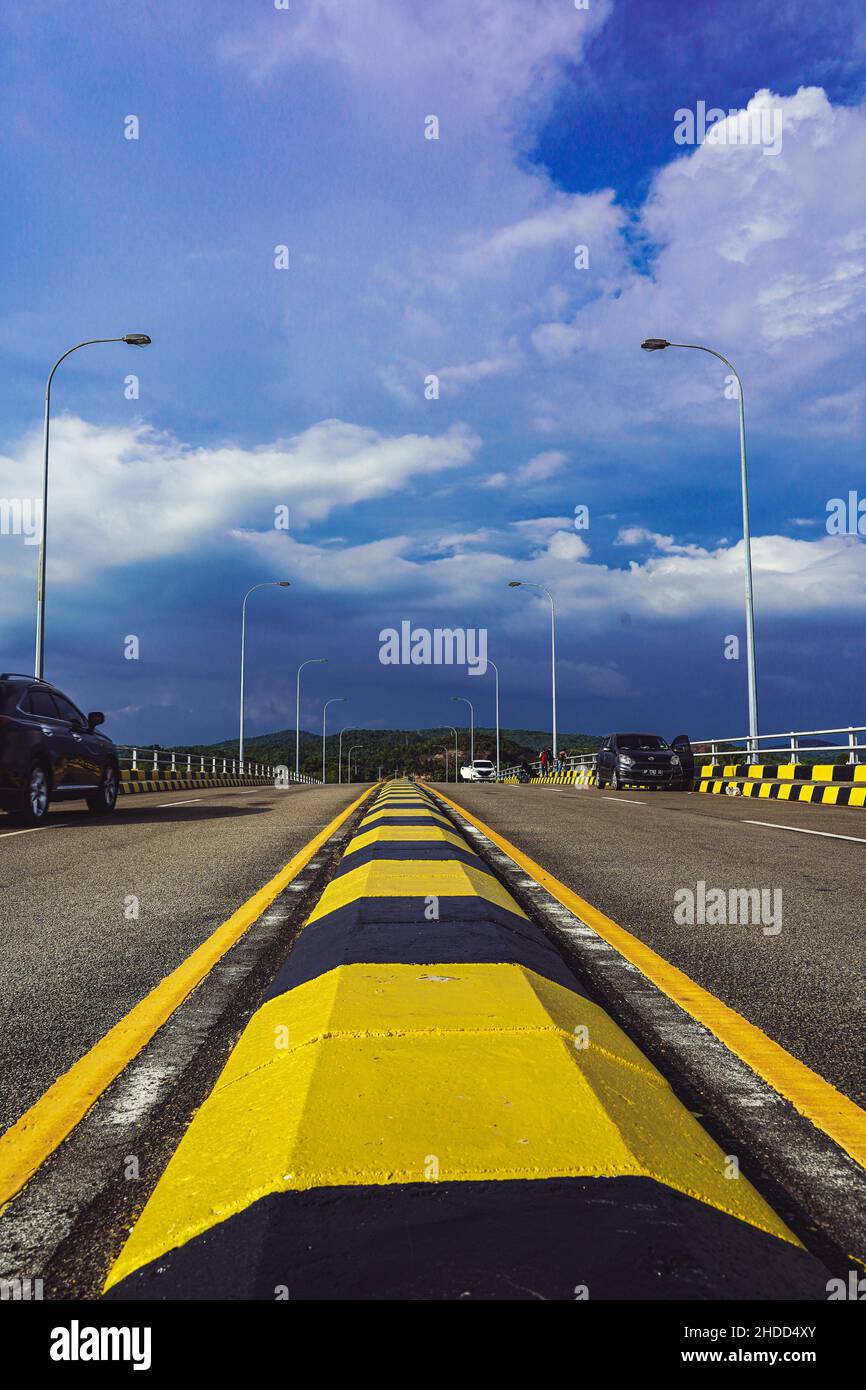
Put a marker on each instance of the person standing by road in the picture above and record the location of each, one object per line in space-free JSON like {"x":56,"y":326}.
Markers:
{"x":560,"y":762}
{"x":544,"y":759}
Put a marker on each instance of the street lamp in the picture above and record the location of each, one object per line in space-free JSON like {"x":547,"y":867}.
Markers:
{"x":454,"y":732}
{"x":334,"y":700}
{"x":268,"y":584}
{"x":313,"y":661}
{"x":353,"y":749}
{"x":527,"y":584}
{"x":496,"y":669}
{"x":656,"y":345}
{"x":340,"y":754}
{"x":134,"y":340}
{"x":471,"y":725}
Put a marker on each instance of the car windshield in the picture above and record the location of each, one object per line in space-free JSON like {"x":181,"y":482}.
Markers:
{"x":640,"y":741}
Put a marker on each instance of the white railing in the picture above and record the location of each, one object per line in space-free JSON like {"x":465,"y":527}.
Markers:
{"x":161,"y":760}
{"x":574,"y":760}
{"x":791,"y":742}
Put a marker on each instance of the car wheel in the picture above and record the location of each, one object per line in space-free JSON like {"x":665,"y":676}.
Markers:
{"x":32,"y":806}
{"x":614,"y":781}
{"x":106,"y":798}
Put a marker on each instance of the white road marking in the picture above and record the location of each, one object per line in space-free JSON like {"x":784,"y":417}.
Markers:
{"x":621,"y":802}
{"x":188,"y":802}
{"x":798,"y":830}
{"x":4,"y":834}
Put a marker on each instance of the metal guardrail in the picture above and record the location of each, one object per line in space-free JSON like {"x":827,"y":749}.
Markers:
{"x":575,"y":760}
{"x":164,"y":760}
{"x":791,"y":743}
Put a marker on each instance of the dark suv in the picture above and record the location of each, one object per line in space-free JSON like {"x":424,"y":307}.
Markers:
{"x":644,"y":760}
{"x":50,"y":751}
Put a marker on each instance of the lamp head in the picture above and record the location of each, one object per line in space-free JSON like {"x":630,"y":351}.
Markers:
{"x":654,"y":344}
{"x":515,"y":583}
{"x":136,"y":339}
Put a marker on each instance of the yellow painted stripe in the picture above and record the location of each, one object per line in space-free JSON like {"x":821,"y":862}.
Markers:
{"x":27,"y":1143}
{"x":413,"y":878}
{"x":407,"y":834}
{"x":828,"y":1109}
{"x":386,"y":1065}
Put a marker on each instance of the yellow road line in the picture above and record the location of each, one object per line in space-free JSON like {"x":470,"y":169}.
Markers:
{"x":827,"y":1109}
{"x":500,"y":1073}
{"x":27,"y":1143}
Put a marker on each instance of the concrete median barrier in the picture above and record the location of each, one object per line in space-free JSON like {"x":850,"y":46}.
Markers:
{"x":824,"y":784}
{"x":143,"y":780}
{"x":428,"y":1105}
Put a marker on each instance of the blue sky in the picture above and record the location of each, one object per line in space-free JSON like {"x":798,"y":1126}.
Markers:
{"x":408,"y":257}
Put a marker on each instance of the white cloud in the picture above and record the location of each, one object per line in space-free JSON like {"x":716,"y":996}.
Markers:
{"x":640,"y":536}
{"x":123,"y":496}
{"x":542,"y":466}
{"x":490,"y":54}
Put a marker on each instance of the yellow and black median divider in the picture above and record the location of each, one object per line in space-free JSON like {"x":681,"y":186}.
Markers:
{"x":143,"y":779}
{"x":825,"y":784}
{"x":427,"y":1104}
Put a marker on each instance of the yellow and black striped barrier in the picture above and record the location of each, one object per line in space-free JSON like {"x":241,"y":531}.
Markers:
{"x":428,"y":1105}
{"x":826,"y":784}
{"x":143,"y":780}
{"x":574,"y":777}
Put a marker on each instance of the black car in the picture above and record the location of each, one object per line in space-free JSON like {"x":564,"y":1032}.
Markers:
{"x":50,"y":751}
{"x":644,"y":760}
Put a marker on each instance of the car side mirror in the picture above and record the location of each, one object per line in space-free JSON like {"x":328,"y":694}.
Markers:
{"x":95,"y":717}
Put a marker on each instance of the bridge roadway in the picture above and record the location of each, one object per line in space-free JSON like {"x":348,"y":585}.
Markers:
{"x":628,"y":853}
{"x":420,"y":1149}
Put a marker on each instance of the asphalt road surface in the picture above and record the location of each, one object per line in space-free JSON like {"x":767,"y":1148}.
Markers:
{"x":75,"y":958}
{"x":628,"y":853}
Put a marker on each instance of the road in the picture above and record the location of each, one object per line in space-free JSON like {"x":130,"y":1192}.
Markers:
{"x":100,"y":911}
{"x":628,"y":853}
{"x":75,"y":958}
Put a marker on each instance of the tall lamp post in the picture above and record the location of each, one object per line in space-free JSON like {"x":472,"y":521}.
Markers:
{"x":656,"y":345}
{"x":313,"y":661}
{"x":471,"y":725}
{"x":340,"y":755}
{"x":496,"y":669}
{"x":527,"y":584}
{"x":268,"y":584}
{"x":353,"y":749}
{"x":334,"y":700}
{"x":454,"y":732}
{"x":133,"y":340}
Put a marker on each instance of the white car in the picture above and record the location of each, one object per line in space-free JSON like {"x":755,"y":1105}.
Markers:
{"x":479,"y":770}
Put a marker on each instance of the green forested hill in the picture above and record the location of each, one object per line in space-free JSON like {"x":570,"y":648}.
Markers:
{"x":407,"y":751}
